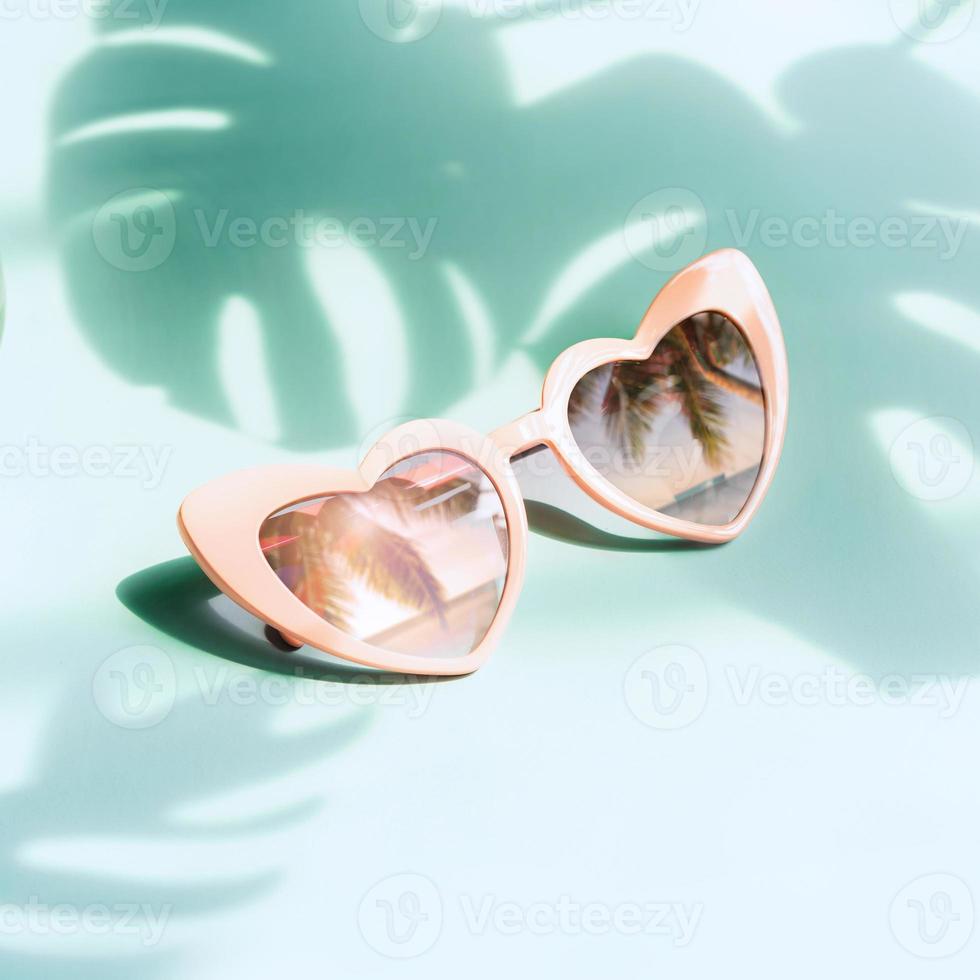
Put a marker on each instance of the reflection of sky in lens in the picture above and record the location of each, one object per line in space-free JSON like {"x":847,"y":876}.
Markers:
{"x":465,"y":555}
{"x":464,"y":552}
{"x":685,"y":462}
{"x":674,"y":462}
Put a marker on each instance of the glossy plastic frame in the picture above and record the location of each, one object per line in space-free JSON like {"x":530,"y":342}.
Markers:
{"x":220,"y":522}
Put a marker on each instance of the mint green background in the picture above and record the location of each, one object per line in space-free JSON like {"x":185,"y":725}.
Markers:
{"x":262,"y":824}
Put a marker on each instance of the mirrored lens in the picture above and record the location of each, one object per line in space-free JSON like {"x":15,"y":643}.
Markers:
{"x":416,"y":565}
{"x":681,"y":432}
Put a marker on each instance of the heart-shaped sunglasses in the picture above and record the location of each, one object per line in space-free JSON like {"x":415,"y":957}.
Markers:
{"x":414,"y":562}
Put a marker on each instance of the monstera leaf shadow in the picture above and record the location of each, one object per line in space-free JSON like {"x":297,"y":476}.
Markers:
{"x":841,"y":556}
{"x":157,"y":780}
{"x":854,"y":563}
{"x":288,"y":117}
{"x":174,"y":598}
{"x":282,"y":119}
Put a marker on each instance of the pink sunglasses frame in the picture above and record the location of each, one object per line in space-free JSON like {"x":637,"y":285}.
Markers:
{"x":220,"y":522}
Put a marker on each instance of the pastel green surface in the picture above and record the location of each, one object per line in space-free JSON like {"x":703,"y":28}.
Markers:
{"x":249,"y":233}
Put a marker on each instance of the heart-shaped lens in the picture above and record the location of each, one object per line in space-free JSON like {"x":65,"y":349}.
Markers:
{"x":416,"y":565}
{"x":681,"y":432}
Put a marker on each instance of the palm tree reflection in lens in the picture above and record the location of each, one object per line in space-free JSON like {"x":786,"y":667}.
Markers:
{"x":688,"y":422}
{"x":423,"y":554}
